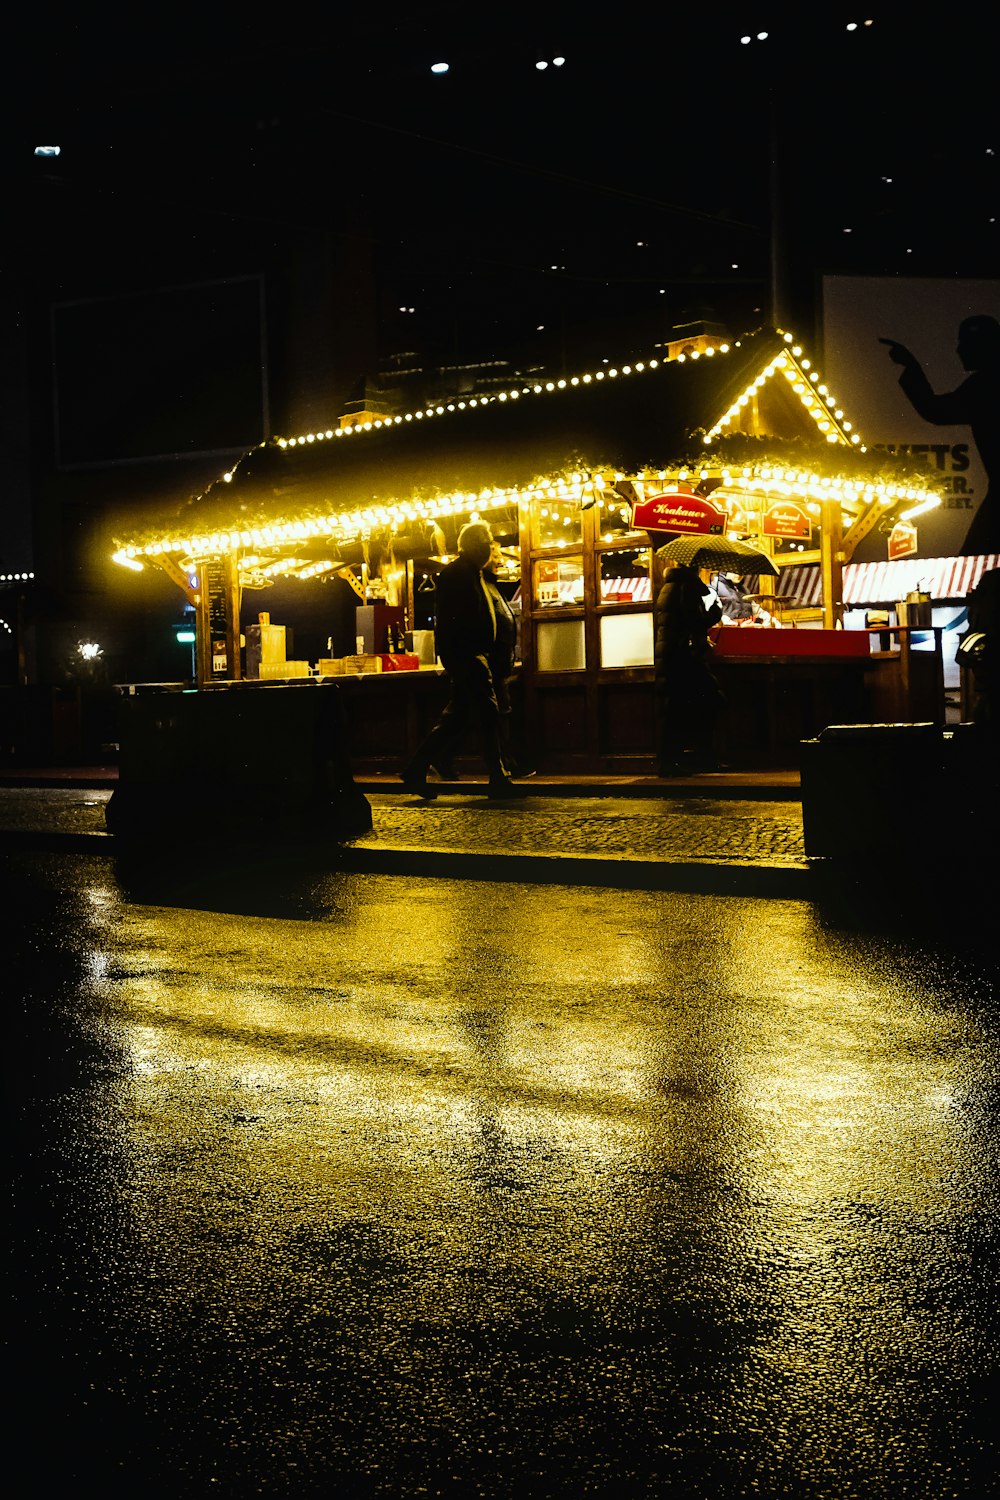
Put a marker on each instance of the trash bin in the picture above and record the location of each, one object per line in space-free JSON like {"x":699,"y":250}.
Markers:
{"x":245,"y":761}
{"x":875,"y":791}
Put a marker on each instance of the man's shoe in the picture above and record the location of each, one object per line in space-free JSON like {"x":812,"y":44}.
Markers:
{"x":503,"y":791}
{"x":417,"y":784}
{"x":667,"y":770}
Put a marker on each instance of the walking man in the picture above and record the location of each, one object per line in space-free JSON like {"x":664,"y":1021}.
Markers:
{"x":465,"y":633}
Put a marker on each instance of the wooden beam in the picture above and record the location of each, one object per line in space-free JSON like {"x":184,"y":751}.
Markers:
{"x":233,"y":668}
{"x":832,"y":564}
{"x":865,"y":523}
{"x":173,"y":572}
{"x":203,"y":630}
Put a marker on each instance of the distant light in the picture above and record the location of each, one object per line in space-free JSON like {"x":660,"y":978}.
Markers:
{"x":557,"y":62}
{"x":762,"y":36}
{"x":746,"y":40}
{"x":185,"y":637}
{"x":852,"y":25}
{"x":47,"y":150}
{"x":439,"y":67}
{"x":848,"y":231}
{"x":89,"y":650}
{"x":734,"y":266}
{"x":541,"y":66}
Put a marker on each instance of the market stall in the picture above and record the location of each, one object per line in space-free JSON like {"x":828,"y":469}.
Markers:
{"x":581,"y":479}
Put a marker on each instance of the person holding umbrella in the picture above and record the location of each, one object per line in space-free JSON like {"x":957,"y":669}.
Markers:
{"x":688,"y":701}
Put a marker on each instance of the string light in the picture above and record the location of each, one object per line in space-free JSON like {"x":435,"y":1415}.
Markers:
{"x":349,"y":526}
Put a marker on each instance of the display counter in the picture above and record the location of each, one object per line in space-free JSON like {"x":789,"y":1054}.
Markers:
{"x":757,"y":641}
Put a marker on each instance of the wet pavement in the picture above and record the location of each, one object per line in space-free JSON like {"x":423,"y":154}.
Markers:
{"x":345,"y":1184}
{"x":673,"y":838}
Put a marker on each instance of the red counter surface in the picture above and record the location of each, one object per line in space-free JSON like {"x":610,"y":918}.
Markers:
{"x":766,"y":640}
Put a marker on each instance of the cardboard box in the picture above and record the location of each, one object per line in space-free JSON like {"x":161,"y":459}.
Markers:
{"x":354,"y":665}
{"x":271,"y":671}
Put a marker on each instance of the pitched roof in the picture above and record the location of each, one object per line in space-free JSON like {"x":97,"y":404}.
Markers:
{"x":645,"y":417}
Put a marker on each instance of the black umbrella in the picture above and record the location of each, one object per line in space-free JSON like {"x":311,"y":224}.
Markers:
{"x":717,"y":553}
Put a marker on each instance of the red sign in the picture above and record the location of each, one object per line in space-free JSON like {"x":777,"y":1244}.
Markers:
{"x":902,"y":540}
{"x":678,"y":510}
{"x":787,"y":519}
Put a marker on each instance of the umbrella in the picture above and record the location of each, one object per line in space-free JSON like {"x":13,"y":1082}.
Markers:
{"x":717,"y":552}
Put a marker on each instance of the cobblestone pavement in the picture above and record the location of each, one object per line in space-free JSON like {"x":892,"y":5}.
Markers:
{"x":654,"y":828}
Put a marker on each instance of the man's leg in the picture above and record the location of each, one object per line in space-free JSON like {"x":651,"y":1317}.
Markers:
{"x":482,"y":699}
{"x":442,"y":742}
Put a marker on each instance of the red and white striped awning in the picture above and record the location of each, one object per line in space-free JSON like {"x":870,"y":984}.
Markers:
{"x":635,"y":589}
{"x":944,"y":578}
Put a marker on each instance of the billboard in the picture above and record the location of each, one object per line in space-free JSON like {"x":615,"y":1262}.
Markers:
{"x":923,"y":315}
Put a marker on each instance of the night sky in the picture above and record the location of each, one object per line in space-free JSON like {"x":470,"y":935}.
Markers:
{"x":511,"y":210}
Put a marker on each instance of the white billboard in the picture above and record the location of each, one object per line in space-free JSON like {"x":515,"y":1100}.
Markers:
{"x":923,"y":315}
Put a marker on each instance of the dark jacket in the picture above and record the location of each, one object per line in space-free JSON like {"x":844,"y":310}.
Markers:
{"x":464,"y":625}
{"x":682,"y":621}
{"x":735,"y":606}
{"x":504,"y":648}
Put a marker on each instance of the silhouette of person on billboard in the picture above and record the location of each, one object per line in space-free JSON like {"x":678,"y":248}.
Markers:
{"x":975,"y":403}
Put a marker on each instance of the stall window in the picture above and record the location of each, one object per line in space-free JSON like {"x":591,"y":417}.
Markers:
{"x":627,"y":640}
{"x":557,"y":581}
{"x":615,"y":513}
{"x":556,"y":523}
{"x":559,"y":645}
{"x":623,"y":574}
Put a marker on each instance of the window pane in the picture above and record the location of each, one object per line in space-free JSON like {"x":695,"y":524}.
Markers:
{"x":627,"y":640}
{"x":615,"y":507}
{"x":558,"y":580}
{"x":556,"y":523}
{"x":560,"y":646}
{"x":624,"y":575}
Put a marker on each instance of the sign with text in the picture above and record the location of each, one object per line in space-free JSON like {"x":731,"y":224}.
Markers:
{"x":902,"y":540}
{"x":785,"y":518}
{"x":678,"y":510}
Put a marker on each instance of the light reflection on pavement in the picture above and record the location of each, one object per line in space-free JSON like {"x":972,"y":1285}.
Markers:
{"x":380,"y":1186}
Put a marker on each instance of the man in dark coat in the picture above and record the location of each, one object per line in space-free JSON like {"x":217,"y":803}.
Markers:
{"x":465,"y":634}
{"x":688,"y":700}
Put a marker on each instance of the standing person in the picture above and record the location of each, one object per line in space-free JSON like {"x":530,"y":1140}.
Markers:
{"x":502,"y":657}
{"x":688,"y":700}
{"x":737,"y":606}
{"x":465,"y":635}
{"x":984,"y":622}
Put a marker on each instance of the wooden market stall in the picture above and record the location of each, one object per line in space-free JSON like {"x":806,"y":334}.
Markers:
{"x":582,"y":478}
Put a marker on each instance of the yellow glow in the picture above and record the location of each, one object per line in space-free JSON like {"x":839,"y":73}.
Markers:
{"x":339,"y":528}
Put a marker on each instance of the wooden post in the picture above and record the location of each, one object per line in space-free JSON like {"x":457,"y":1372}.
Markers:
{"x":832,"y":564}
{"x":233,"y":670}
{"x":203,"y":630}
